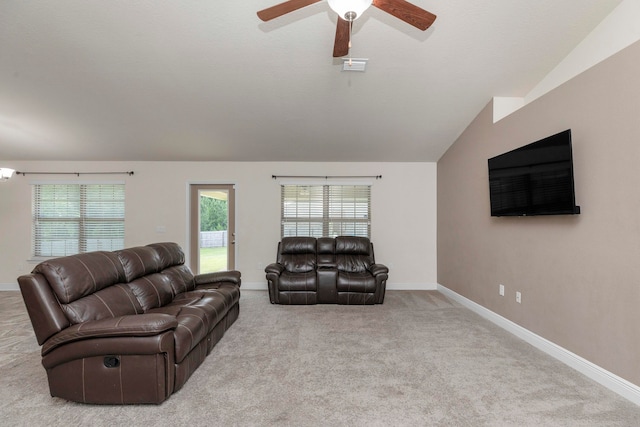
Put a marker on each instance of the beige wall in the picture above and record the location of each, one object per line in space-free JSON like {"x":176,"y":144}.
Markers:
{"x":579,"y":275}
{"x":403,"y":210}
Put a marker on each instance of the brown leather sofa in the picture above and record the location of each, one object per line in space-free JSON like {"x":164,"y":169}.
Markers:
{"x":326,"y":270}
{"x":129,"y":326}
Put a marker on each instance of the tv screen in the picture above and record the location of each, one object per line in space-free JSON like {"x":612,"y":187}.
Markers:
{"x":536,"y":179}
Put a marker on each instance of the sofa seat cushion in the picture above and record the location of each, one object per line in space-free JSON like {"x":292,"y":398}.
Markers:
{"x":298,"y":281}
{"x":230,"y":293}
{"x":356,"y":282}
{"x":193,"y":326}
{"x":197,"y":312}
{"x":214,"y":304}
{"x":352,"y":263}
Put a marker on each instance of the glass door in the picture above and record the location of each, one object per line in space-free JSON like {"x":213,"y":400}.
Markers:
{"x":212,"y":227}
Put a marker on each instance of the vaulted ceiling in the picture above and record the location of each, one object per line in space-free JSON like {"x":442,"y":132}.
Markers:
{"x":208,"y":80}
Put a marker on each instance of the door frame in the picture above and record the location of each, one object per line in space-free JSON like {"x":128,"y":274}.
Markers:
{"x":193,"y":221}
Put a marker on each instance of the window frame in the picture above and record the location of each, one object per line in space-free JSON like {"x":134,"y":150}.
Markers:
{"x":89,"y":218}
{"x":316,"y":216}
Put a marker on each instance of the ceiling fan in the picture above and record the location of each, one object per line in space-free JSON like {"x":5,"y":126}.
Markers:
{"x":350,"y":10}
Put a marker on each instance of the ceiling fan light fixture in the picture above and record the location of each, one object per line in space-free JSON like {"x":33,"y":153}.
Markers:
{"x":349,"y":10}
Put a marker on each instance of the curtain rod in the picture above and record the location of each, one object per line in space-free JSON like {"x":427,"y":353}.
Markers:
{"x":74,"y":173}
{"x":327,"y":176}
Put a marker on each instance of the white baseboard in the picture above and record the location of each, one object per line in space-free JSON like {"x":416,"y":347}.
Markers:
{"x":613,"y":382}
{"x":254,"y":286}
{"x":262,"y":286}
{"x":412,"y":286}
{"x":9,"y":287}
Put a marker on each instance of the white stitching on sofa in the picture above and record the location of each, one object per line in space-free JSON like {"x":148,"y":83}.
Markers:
{"x":95,"y":285}
{"x":105,"y":304}
{"x":128,"y":296}
{"x":112,"y":263}
{"x":155,"y":289}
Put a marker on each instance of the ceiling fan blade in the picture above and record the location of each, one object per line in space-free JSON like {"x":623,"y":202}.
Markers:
{"x":341,"y":45}
{"x":284,"y":8}
{"x":408,"y":12}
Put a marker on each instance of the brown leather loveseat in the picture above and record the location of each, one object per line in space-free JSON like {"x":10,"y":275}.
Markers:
{"x":129,"y":326}
{"x":340,"y":270}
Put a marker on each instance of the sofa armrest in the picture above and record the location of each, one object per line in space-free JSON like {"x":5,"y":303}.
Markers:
{"x":134,"y":325}
{"x":231,"y":276}
{"x":274,"y":268}
{"x":376,"y":269}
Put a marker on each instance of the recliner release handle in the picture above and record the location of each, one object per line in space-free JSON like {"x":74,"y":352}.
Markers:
{"x":111,"y":361}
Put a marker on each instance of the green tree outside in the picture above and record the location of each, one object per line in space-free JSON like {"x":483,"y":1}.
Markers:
{"x":213,"y":214}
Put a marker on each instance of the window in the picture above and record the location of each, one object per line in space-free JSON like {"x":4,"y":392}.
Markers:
{"x":74,"y":218}
{"x":326,"y":210}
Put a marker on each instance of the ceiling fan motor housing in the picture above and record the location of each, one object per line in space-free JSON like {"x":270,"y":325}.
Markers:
{"x":349,"y":10}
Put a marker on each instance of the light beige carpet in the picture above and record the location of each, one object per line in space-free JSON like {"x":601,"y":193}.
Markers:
{"x":417,"y":360}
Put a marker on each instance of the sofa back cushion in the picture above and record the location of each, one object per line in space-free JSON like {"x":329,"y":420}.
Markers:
{"x":326,"y":251}
{"x":169,"y":253}
{"x":76,"y":276}
{"x":297,"y":254}
{"x":152,"y":290}
{"x":99,"y":285}
{"x":353,"y":254}
{"x":139,"y":261}
{"x":114,"y":301}
{"x":180,"y":277}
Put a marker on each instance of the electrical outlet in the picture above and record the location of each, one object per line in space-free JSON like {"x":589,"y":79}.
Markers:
{"x":501,"y":290}
{"x":518,"y":297}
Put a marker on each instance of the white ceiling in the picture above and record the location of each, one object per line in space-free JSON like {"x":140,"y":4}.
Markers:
{"x":207,"y":80}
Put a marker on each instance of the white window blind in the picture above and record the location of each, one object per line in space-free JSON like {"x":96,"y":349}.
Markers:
{"x":75,"y":218}
{"x":326,"y":210}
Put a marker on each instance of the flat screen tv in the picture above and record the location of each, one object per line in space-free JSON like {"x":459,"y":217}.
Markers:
{"x":536,"y":179}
